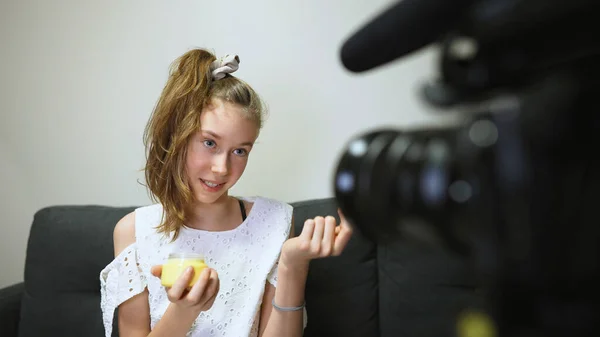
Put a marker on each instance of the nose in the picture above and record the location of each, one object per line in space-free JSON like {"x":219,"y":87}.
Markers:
{"x":220,"y":164}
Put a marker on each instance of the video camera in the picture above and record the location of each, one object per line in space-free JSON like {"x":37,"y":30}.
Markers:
{"x":515,"y":185}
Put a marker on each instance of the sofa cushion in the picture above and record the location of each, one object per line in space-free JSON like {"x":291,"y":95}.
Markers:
{"x":422,"y":289}
{"x":341,"y":292}
{"x":10,"y":306}
{"x":67,"y":248}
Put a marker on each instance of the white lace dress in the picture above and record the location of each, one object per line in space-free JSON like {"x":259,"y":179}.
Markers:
{"x":245,"y":259}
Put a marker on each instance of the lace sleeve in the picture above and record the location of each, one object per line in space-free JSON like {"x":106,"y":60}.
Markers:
{"x":286,"y":224}
{"x":119,"y":281}
{"x":272,"y":277}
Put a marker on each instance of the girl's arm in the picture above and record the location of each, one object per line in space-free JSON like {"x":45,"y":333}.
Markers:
{"x":289,"y":293}
{"x":320,"y":237}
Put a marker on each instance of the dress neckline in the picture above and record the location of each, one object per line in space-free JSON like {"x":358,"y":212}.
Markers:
{"x":249,"y":215}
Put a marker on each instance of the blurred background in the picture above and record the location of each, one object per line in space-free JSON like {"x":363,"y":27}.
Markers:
{"x":80,"y":78}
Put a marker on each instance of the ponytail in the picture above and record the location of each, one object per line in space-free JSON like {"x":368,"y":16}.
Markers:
{"x":176,"y":117}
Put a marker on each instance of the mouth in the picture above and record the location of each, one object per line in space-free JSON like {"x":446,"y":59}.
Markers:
{"x":211,"y":186}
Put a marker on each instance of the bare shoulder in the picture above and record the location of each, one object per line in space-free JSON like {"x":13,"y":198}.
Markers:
{"x":124,"y":233}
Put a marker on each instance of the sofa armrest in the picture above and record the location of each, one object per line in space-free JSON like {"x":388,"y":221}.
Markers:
{"x":10,"y":307}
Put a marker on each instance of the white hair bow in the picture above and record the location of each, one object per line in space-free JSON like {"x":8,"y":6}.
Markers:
{"x":224,"y":65}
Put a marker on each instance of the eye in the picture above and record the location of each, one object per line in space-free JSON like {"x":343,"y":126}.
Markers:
{"x":209,"y":143}
{"x":240,"y":152}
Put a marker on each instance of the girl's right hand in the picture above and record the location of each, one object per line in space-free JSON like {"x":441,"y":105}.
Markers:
{"x":198,"y":298}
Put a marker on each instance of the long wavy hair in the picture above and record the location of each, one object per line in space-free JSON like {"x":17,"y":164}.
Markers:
{"x":175,"y":119}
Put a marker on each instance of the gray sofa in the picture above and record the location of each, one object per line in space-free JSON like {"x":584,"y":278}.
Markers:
{"x":397,"y":290}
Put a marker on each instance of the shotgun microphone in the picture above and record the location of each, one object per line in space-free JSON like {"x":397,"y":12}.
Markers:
{"x":399,"y":30}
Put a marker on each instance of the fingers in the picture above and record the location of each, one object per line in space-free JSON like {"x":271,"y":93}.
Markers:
{"x":214,"y":284}
{"x":181,"y":284}
{"x":321,"y":237}
{"x":317,"y":237}
{"x":198,"y":289}
{"x":156,"y":270}
{"x":342,"y":217}
{"x":306,"y":235}
{"x":205,"y":290}
{"x":308,"y":230}
{"x":328,"y":236}
{"x":211,"y":301}
{"x":203,"y":293}
{"x":344,"y":235}
{"x":213,"y":290}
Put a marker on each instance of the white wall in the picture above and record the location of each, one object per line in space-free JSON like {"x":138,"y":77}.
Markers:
{"x":80,"y":78}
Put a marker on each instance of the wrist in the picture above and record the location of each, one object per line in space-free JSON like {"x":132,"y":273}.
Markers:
{"x":185,"y":312}
{"x":290,"y":265}
{"x":293,"y":268}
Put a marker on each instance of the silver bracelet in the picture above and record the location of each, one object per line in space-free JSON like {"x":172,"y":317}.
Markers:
{"x":286,"y":308}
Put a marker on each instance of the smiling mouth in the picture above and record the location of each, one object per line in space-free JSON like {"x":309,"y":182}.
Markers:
{"x":211,"y":184}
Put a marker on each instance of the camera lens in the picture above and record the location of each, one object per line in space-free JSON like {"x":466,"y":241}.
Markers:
{"x":385,"y":176}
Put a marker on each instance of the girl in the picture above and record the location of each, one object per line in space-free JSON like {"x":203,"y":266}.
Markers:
{"x":198,"y":140}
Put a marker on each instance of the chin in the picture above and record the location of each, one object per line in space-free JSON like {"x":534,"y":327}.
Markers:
{"x":210,"y":198}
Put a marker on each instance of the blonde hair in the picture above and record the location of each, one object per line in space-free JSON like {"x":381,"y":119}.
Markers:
{"x":176,"y":118}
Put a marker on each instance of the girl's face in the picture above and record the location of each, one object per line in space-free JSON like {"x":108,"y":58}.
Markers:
{"x":218,"y":153}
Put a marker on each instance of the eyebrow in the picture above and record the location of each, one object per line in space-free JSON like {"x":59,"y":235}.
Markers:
{"x":216,"y":136}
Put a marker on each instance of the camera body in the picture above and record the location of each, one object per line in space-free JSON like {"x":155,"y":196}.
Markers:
{"x":512,"y":187}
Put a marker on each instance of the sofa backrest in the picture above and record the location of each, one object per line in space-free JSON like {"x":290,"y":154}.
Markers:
{"x":69,"y":245}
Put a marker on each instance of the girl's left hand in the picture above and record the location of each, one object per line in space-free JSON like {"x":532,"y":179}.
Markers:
{"x":320,"y":237}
